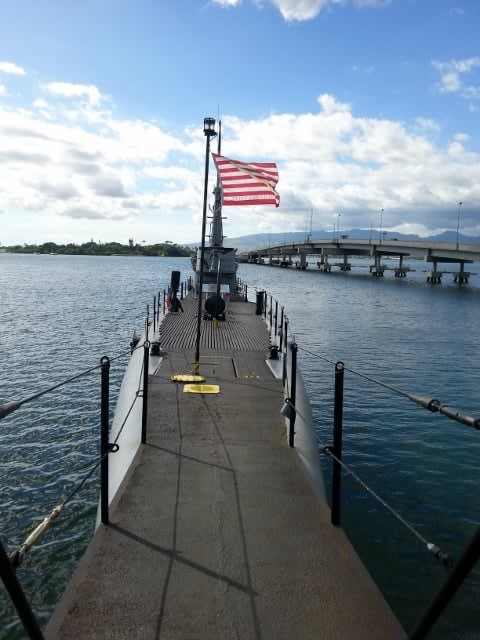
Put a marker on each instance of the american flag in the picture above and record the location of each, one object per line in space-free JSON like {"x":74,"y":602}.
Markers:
{"x":247,"y":182}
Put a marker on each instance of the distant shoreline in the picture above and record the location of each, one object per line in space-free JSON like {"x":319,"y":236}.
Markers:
{"x":160,"y":250}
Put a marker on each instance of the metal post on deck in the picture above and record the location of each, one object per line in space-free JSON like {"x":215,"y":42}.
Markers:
{"x":104,"y":447}
{"x":447,"y":591}
{"x":181,"y":291}
{"x":293,"y":393}
{"x":284,"y":373}
{"x":265,"y":305}
{"x":337,"y":443}
{"x":146,"y":356}
{"x":20,"y":602}
{"x":164,"y":302}
{"x":281,"y":330}
{"x":276,"y":317}
{"x":246,"y":293}
{"x":154,"y":313}
{"x":270,"y":313}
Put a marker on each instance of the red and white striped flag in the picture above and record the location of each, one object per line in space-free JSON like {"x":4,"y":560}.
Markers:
{"x":247,"y":182}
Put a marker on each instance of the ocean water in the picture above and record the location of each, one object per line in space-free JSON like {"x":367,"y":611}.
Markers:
{"x":60,"y":314}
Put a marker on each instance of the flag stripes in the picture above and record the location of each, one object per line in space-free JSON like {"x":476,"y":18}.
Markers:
{"x":247,"y":182}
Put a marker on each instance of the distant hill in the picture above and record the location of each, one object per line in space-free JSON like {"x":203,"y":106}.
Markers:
{"x":257,"y":240}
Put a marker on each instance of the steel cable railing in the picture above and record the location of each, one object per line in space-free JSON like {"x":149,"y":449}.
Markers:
{"x":472,"y":552}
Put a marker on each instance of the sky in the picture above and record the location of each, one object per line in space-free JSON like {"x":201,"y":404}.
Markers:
{"x":370,"y":108}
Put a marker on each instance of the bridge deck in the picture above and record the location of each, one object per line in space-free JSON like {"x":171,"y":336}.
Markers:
{"x":218,"y":533}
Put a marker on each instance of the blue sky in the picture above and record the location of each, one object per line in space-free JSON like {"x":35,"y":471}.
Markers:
{"x":364,"y":104}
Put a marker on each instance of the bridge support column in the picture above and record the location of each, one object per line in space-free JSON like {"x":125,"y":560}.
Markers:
{"x":401,"y":271}
{"x":322,"y":264}
{"x":377,"y":268}
{"x":461,"y":277}
{"x":302,"y":262}
{"x":345,"y":266}
{"x":435,"y":276}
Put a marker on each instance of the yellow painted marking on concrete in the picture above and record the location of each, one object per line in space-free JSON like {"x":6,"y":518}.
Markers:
{"x":186,"y":377}
{"x":201,"y":388}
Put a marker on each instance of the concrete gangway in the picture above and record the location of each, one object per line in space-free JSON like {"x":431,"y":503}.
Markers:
{"x":295,"y":254}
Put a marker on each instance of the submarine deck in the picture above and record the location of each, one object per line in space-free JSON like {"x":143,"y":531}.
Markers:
{"x":218,"y":532}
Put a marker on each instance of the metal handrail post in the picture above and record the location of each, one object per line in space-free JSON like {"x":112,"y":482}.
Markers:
{"x":270,"y":313}
{"x":281,"y":330}
{"x":154,"y":313}
{"x":276,"y":318}
{"x":246,"y":293}
{"x":104,"y":447}
{"x":293,"y":393}
{"x":20,"y":602}
{"x":164,"y":302}
{"x":265,"y":302}
{"x":146,"y":358}
{"x":337,"y":443}
{"x":447,"y":591}
{"x":181,"y":291}
{"x":284,"y":373}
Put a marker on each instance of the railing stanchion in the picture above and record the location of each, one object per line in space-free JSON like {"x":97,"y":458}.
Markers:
{"x":146,"y":357}
{"x":293,"y":394}
{"x":265,"y":305}
{"x":337,"y":443}
{"x":246,"y":293}
{"x":181,"y":291}
{"x":280,"y":347}
{"x":270,"y":313}
{"x":164,"y":302}
{"x":449,"y":588}
{"x":276,"y":318}
{"x":20,"y":602}
{"x":154,"y":313}
{"x":104,"y":436}
{"x":284,"y":373}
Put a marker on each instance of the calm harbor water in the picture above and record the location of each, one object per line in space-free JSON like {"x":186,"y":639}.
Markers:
{"x":60,"y":314}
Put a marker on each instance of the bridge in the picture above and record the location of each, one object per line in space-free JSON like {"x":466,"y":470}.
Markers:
{"x":337,"y":252}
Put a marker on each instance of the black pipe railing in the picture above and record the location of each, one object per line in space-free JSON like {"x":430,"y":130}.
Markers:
{"x":146,"y":360}
{"x":293,"y":394}
{"x":337,"y":444}
{"x":17,"y":595}
{"x":104,"y":433}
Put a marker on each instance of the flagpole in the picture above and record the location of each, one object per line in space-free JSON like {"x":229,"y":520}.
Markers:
{"x":209,"y":132}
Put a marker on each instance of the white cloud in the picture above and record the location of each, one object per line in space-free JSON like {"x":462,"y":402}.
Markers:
{"x":3,"y":90}
{"x":227,"y":3}
{"x":11,"y":68}
{"x":451,"y":76}
{"x":300,"y":10}
{"x":81,"y":163}
{"x":70,"y":90}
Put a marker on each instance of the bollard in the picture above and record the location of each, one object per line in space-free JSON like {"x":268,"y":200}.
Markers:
{"x":337,"y":443}
{"x":293,"y":393}
{"x":259,"y":305}
{"x":146,"y":356}
{"x":104,"y":447}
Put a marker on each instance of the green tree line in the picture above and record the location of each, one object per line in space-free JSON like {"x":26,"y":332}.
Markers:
{"x":93,"y":248}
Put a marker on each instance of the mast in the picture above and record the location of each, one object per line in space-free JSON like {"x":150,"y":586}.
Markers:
{"x":216,"y":235}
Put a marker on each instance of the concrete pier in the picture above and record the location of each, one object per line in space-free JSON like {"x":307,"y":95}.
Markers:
{"x":218,"y":532}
